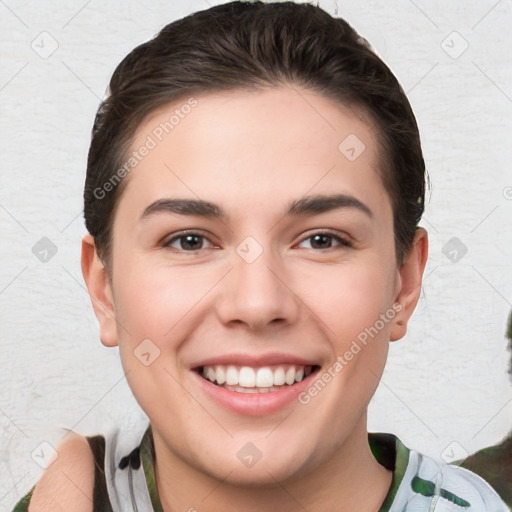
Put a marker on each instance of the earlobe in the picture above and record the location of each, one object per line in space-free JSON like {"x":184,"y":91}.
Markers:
{"x":410,"y":279}
{"x":100,"y":291}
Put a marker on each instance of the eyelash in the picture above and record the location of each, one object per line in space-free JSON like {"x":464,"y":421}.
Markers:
{"x":343,"y":241}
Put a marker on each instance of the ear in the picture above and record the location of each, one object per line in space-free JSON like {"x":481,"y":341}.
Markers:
{"x":409,"y":280}
{"x":100,"y":291}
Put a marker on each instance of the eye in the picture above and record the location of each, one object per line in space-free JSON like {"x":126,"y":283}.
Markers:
{"x":324,"y":240}
{"x":187,"y":242}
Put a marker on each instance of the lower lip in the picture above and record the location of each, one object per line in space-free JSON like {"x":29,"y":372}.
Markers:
{"x":254,"y":404}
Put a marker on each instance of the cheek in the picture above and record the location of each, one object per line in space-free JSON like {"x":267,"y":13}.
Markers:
{"x":154,"y":307}
{"x":349,"y":298}
{"x":152,"y":300}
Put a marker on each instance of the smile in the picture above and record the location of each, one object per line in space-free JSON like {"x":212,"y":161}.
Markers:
{"x":254,"y":385}
{"x":247,"y":379}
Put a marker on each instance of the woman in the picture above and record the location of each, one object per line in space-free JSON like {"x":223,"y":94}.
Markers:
{"x":254,"y":187}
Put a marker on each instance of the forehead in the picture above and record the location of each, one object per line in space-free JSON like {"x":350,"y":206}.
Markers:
{"x":252,"y":143}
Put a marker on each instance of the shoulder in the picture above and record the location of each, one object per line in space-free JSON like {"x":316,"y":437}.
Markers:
{"x":68,"y":483}
{"x":478,"y":491}
{"x":422,"y":483}
{"x":455,"y":487}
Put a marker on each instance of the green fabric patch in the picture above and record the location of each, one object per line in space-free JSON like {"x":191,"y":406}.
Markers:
{"x":147,"y":456}
{"x":428,"y":489}
{"x":22,"y":505}
{"x":391,"y":453}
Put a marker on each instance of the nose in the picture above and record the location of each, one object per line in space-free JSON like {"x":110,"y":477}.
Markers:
{"x":258,"y":294}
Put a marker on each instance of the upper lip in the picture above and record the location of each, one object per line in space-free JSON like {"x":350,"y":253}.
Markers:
{"x":254,"y":360}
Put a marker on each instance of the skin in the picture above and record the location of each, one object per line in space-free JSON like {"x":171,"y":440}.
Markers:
{"x":252,"y":153}
{"x":66,"y":485}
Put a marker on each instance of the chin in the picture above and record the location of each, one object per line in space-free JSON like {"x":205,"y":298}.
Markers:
{"x":259,"y":476}
{"x":252,"y":468}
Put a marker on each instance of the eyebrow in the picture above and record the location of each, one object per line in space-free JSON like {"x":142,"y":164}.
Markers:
{"x":308,"y":206}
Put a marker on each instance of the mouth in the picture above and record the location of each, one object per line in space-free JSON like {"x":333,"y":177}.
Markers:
{"x":252,"y":380}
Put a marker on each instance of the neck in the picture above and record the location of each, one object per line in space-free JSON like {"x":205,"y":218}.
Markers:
{"x":351,"y":479}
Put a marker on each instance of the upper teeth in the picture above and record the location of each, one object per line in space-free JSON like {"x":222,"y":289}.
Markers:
{"x":264,"y":377}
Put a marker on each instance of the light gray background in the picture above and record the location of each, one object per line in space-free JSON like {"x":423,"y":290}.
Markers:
{"x":445,"y":391}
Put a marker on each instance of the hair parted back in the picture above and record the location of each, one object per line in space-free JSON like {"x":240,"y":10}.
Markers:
{"x":240,"y":45}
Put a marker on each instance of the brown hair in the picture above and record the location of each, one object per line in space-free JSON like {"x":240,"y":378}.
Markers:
{"x":241,"y":45}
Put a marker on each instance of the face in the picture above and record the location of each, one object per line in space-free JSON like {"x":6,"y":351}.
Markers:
{"x":254,"y":284}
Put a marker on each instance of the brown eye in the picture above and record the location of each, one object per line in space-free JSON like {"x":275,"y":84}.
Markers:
{"x":325,"y":239}
{"x":187,"y":242}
